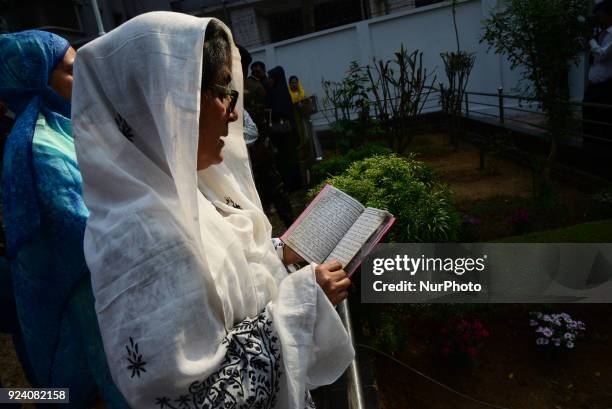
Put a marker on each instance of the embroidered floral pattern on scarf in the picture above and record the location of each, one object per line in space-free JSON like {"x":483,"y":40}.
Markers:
{"x":249,"y":375}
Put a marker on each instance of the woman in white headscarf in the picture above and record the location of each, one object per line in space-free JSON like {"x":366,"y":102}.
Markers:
{"x":195,"y":306}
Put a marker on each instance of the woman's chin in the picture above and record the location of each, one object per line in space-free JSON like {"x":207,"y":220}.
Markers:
{"x":210,"y":160}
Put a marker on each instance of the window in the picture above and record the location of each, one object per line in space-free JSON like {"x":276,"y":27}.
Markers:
{"x":336,"y":13}
{"x":23,"y":15}
{"x":285,"y":25}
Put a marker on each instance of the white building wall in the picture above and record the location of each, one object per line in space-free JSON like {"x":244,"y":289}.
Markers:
{"x":316,"y":52}
{"x":327,"y":54}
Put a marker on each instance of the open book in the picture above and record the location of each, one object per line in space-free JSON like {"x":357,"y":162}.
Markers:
{"x":336,"y":226}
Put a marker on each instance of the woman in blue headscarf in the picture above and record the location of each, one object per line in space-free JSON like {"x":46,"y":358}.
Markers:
{"x":44,"y":217}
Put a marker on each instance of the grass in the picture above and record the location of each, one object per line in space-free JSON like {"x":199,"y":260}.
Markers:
{"x":593,"y":232}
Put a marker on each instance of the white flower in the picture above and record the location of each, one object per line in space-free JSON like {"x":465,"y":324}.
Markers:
{"x":533,"y":323}
{"x":557,"y":341}
{"x":581,"y":19}
{"x":541,"y":341}
{"x":569,"y":344}
{"x":569,"y":335}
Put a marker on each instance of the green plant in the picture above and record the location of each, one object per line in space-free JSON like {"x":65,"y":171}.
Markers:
{"x":602,"y":202}
{"x":338,"y":164}
{"x":458,"y":67}
{"x":542,"y":39}
{"x":384,"y":326}
{"x":350,"y":134}
{"x":401,"y":87}
{"x":460,"y":339}
{"x":407,"y":188}
{"x":348,"y":96}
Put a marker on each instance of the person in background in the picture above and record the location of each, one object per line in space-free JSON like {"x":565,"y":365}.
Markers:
{"x":44,"y":219}
{"x":255,"y":90}
{"x":296,"y":90}
{"x":302,"y":109}
{"x":263,"y":163}
{"x":283,"y":130}
{"x":599,"y":87}
{"x":258,"y":73}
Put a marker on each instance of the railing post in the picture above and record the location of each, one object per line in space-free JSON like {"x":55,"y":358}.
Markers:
{"x":467,"y":105}
{"x":500,"y":97}
{"x":355,"y":391}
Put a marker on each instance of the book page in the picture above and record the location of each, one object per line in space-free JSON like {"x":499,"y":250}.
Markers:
{"x":370,"y":244}
{"x":359,"y":233}
{"x":323,"y":225}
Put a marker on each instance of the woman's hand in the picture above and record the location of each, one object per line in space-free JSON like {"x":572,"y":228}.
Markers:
{"x":290,"y":256}
{"x":333,"y":280}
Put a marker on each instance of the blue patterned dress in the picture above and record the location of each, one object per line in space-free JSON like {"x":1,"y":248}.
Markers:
{"x":45,"y":217}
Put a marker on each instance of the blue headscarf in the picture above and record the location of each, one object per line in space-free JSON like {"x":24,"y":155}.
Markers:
{"x":28,"y":58}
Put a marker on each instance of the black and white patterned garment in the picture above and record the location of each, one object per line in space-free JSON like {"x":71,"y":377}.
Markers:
{"x":249,"y":375}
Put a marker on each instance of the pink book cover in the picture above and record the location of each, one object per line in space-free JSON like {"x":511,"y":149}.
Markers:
{"x":377,"y":236}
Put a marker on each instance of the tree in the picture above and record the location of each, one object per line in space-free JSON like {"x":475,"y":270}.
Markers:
{"x":543,"y":39}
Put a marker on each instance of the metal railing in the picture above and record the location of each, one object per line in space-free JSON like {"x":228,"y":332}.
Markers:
{"x":355,"y":386}
{"x":509,"y":110}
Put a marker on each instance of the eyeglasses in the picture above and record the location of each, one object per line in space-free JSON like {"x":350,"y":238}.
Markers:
{"x":224,"y":92}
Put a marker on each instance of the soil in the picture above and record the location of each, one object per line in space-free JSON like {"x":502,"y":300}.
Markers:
{"x":509,"y":370}
{"x":460,"y":169}
{"x":490,"y":199}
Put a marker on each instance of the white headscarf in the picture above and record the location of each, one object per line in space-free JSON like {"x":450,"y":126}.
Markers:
{"x":173,"y":268}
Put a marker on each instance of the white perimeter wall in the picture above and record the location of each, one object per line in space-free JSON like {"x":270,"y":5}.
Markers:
{"x":327,"y":54}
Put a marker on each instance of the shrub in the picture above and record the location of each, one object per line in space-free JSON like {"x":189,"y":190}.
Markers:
{"x":556,"y":330}
{"x":460,"y":339}
{"x":338,"y":164}
{"x":385,"y":330}
{"x":406,"y":188}
{"x":601,"y":203}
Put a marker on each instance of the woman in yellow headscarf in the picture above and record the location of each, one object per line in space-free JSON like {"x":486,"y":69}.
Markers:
{"x":296,"y":90}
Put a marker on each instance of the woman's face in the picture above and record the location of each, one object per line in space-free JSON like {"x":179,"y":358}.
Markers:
{"x":214,"y":121}
{"x":293,"y":84}
{"x":61,"y":77}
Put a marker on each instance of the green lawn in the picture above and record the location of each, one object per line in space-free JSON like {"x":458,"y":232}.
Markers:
{"x":593,"y":232}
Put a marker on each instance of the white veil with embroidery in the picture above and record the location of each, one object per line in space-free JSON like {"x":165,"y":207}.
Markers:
{"x":174,"y":268}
